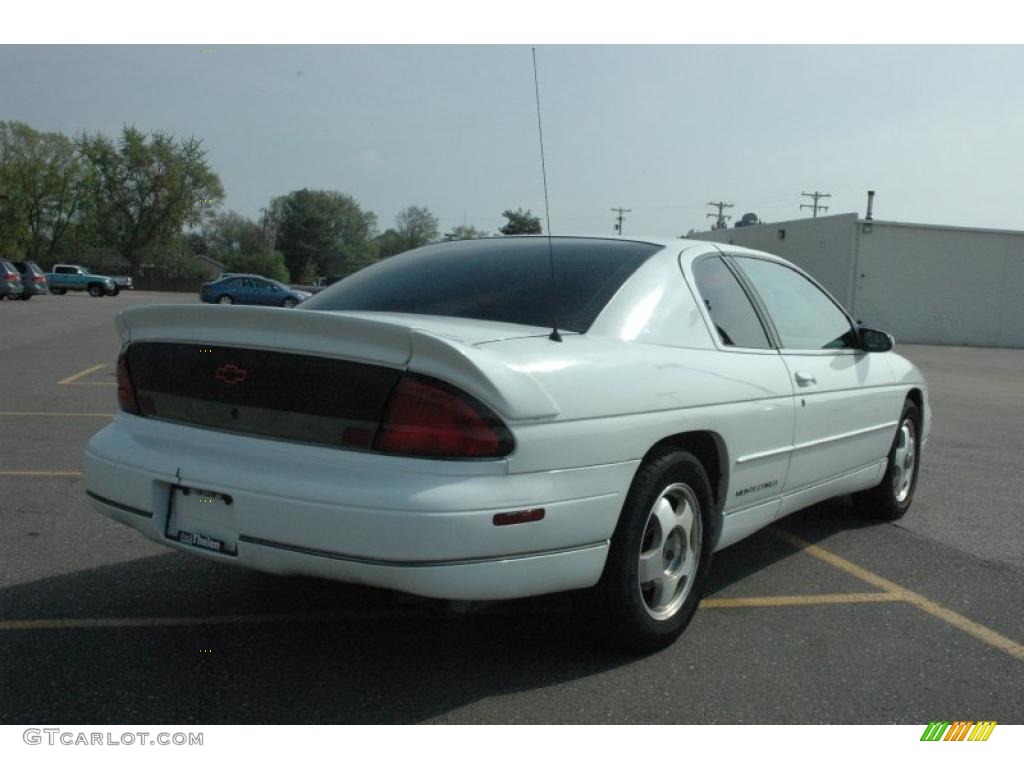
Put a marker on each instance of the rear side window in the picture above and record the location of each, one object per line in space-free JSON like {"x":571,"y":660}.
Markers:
{"x":498,"y":279}
{"x":734,"y":317}
{"x":6,"y":266}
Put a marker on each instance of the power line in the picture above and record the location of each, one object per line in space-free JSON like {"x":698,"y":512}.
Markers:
{"x":720,"y":217}
{"x":816,"y":196}
{"x":620,"y":217}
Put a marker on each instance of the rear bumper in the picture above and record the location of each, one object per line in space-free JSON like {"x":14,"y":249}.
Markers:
{"x":418,"y":526}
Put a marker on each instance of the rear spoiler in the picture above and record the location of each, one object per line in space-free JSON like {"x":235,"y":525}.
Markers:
{"x":512,"y":393}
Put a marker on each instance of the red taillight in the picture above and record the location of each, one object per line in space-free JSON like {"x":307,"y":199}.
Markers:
{"x":126,"y":389}
{"x":38,"y":279}
{"x":12,"y":276}
{"x":426,"y":417}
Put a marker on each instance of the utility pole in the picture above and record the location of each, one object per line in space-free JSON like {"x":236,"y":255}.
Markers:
{"x":269,"y":238}
{"x":266,"y":226}
{"x":720,"y":217}
{"x":620,"y":217}
{"x":815,"y":206}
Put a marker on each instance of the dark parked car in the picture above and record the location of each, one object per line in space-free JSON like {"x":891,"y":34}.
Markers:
{"x":251,"y":289}
{"x":10,"y":280}
{"x":33,"y":280}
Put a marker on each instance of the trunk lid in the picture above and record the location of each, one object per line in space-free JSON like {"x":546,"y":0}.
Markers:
{"x":309,"y":375}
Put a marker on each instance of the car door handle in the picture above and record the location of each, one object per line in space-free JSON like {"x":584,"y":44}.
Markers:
{"x":805,"y":379}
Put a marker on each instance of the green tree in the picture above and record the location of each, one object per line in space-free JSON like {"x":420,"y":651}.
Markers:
{"x":42,"y":187}
{"x":145,"y":188}
{"x":240,"y":244}
{"x":464,"y":232}
{"x":389,"y":242}
{"x":417,"y":226}
{"x":230,"y":232}
{"x":414,"y":226}
{"x":520,"y":222}
{"x":326,"y":228}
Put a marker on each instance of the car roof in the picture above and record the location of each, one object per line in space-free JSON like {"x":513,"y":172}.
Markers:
{"x":679,"y":244}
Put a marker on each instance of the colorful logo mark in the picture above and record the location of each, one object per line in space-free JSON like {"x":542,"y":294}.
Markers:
{"x":958,"y":730}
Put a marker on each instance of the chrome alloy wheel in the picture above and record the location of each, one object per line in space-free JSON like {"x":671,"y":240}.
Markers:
{"x":669,"y":551}
{"x":904,"y":460}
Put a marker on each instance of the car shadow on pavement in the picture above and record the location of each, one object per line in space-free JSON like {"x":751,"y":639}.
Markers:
{"x":340,"y":654}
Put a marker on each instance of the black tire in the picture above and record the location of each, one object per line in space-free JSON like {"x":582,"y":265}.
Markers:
{"x":891,"y":498}
{"x":225,"y":299}
{"x":25,"y":296}
{"x":289,"y":303}
{"x":114,"y":291}
{"x":95,"y":290}
{"x":58,"y":291}
{"x":630,"y":607}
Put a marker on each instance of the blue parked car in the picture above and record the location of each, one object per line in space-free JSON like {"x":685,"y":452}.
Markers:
{"x":251,"y":289}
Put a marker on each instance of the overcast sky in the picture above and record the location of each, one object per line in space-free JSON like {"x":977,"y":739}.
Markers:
{"x":661,"y":130}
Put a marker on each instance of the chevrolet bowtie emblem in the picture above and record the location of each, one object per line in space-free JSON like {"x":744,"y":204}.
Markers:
{"x":231,"y":374}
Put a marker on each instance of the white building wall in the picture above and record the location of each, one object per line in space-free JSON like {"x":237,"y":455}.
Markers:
{"x":823,"y":246}
{"x":942,"y":285}
{"x":924,"y":284}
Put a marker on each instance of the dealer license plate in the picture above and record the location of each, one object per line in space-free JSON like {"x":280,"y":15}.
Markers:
{"x":203,"y":519}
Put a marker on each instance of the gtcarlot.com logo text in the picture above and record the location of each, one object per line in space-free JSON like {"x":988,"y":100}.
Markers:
{"x":56,"y":736}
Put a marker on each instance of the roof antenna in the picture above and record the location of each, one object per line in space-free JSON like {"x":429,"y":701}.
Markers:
{"x":555,"y":336}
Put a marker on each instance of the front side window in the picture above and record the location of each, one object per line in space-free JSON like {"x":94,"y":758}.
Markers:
{"x":731,"y":311}
{"x":803,"y":314}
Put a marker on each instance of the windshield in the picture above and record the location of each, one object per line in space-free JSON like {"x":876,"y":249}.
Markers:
{"x":499,"y":279}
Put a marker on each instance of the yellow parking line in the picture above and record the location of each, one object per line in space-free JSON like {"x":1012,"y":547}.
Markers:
{"x":37,"y":473}
{"x":954,"y":619}
{"x":93,"y":383}
{"x":49,"y":413}
{"x":75,"y":377}
{"x":776,"y":601}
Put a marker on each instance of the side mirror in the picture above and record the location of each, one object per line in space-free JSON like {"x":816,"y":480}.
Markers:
{"x":875,"y":341}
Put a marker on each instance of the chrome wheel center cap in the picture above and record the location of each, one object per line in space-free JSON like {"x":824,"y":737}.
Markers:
{"x":675,"y":546}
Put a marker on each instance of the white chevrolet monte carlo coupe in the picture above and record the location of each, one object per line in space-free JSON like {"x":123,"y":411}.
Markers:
{"x":418,"y":426}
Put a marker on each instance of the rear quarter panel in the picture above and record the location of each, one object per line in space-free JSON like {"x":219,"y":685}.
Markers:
{"x":617,"y":399}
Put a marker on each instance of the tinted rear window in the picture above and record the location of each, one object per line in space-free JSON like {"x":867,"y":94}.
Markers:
{"x":504,"y":280}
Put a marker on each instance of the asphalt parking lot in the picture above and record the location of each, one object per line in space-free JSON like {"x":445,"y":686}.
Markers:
{"x":821,"y":618}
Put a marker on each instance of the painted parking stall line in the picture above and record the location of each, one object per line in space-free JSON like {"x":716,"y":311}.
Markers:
{"x":781,"y":601}
{"x":73,"y":378}
{"x":974,"y":629}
